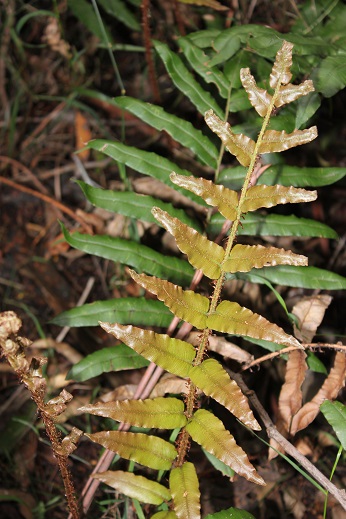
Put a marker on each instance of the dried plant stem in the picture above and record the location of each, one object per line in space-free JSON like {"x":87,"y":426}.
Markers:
{"x":310,"y":346}
{"x":272,"y":432}
{"x":30,"y":374}
{"x":148,"y":50}
{"x":55,"y":440}
{"x":179,"y":18}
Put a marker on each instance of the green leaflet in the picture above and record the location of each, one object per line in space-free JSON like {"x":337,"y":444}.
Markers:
{"x":204,"y":38}
{"x":202,"y":253}
{"x":231,"y":513}
{"x":257,"y":224}
{"x":160,"y":413}
{"x":330,"y":76}
{"x":166,"y":514}
{"x":185,"y":304}
{"x":136,"y":310}
{"x":119,"y":10}
{"x":302,"y":277}
{"x":131,"y":253}
{"x":182,"y":131}
{"x":142,"y":448}
{"x":269,"y":196}
{"x":185,"y":82}
{"x":214,"y":381}
{"x":335,"y":414}
{"x":219,"y":465}
{"x":114,"y":358}
{"x":198,"y":60}
{"x":285,"y":175}
{"x":245,"y":257}
{"x":174,"y":355}
{"x":229,"y":317}
{"x":224,"y":199}
{"x":209,"y":432}
{"x":84,"y":11}
{"x":137,"y":487}
{"x":132,"y":204}
{"x":145,"y":162}
{"x":306,"y":109}
{"x":184,"y":487}
{"x":213,"y":4}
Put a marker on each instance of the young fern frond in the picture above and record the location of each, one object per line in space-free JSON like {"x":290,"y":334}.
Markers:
{"x":207,"y":315}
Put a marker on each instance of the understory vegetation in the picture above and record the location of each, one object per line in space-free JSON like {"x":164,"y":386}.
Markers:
{"x":175,"y":310}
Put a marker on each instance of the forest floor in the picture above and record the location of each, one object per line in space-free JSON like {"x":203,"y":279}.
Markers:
{"x":43,"y":122}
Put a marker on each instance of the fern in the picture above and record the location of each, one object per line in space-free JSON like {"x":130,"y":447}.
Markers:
{"x":206,"y":314}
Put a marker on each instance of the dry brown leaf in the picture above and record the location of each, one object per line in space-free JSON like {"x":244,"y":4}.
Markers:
{"x":329,"y":391}
{"x":157,"y":189}
{"x":293,"y":498}
{"x":72,"y":408}
{"x":82,"y":134}
{"x":169,"y":384}
{"x":223,"y":347}
{"x":310,"y":312}
{"x":125,"y":392}
{"x":71,"y":354}
{"x":290,"y":399}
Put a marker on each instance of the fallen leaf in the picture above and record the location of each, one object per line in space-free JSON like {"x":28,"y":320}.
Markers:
{"x":290,"y":399}
{"x":310,"y":312}
{"x":169,"y":384}
{"x":329,"y":391}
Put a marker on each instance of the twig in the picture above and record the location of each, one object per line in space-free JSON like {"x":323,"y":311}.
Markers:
{"x":310,"y":346}
{"x":81,"y":301}
{"x":48,"y":200}
{"x":272,"y":432}
{"x":43,"y":124}
{"x":20,"y":166}
{"x":70,"y":168}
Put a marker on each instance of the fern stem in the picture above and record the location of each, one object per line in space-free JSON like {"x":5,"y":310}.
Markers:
{"x":254,"y":158}
{"x":183,"y":442}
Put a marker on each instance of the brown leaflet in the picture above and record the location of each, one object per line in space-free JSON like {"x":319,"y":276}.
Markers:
{"x":310,"y":312}
{"x":258,"y":97}
{"x":290,"y":399}
{"x":329,"y":391}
